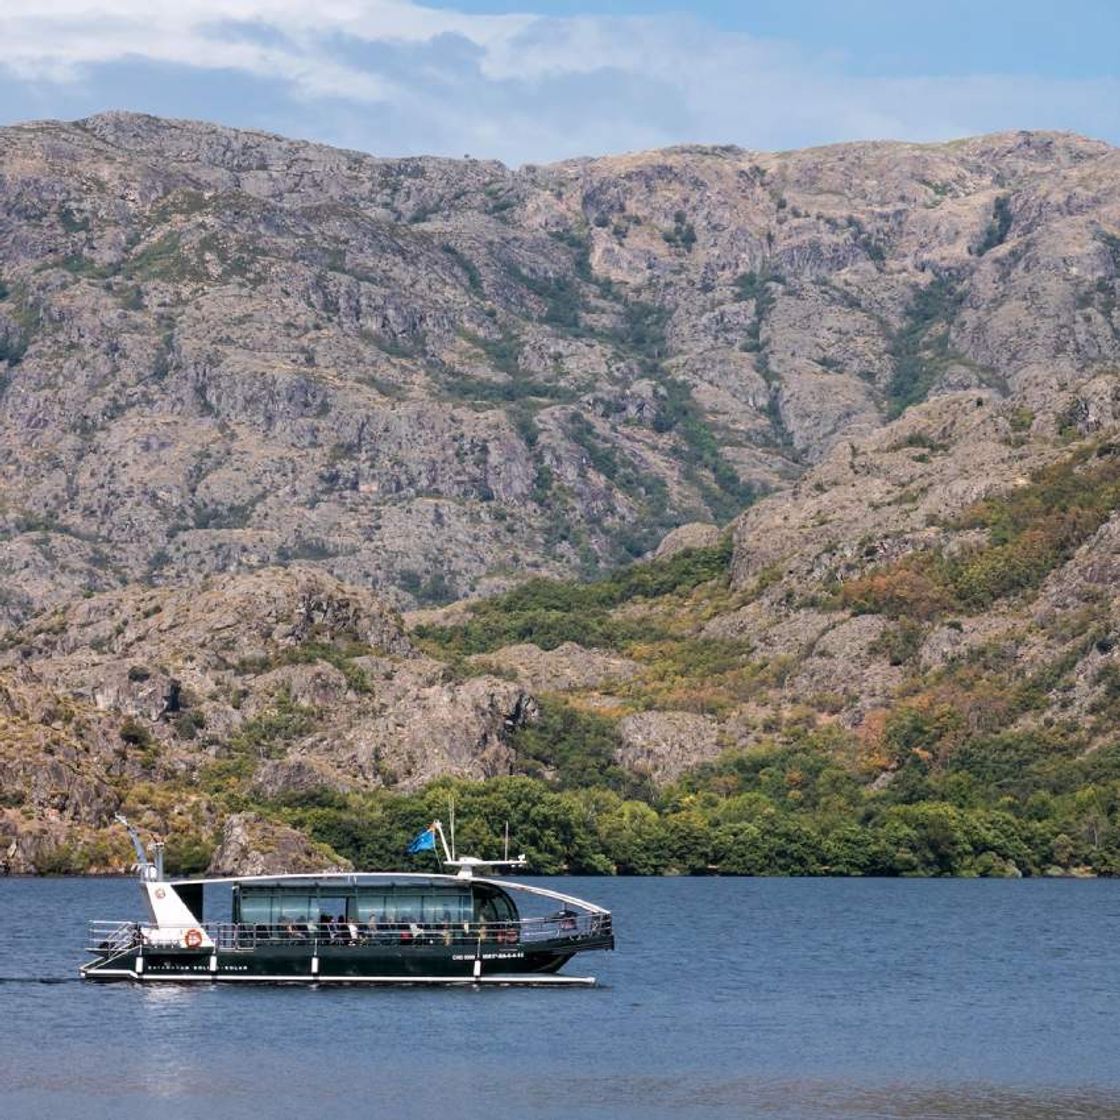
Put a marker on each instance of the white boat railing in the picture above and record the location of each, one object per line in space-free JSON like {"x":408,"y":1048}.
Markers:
{"x":115,"y":937}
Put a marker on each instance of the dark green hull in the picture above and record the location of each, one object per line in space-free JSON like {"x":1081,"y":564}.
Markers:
{"x":354,"y":964}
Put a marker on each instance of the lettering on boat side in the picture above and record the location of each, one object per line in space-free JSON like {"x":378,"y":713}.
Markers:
{"x":488,"y":956}
{"x":166,"y":967}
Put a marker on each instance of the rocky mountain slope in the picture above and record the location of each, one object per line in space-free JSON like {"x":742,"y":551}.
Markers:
{"x":254,"y":390}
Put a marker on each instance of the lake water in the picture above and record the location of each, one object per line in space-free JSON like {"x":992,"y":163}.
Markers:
{"x":783,"y":999}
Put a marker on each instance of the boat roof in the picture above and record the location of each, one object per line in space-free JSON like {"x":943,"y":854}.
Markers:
{"x":387,"y":878}
{"x":336,"y":878}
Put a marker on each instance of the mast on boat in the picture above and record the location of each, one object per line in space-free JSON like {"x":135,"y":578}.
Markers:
{"x":468,"y":865}
{"x":148,"y":869}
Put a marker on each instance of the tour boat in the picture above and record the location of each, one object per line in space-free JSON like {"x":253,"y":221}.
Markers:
{"x":350,"y":928}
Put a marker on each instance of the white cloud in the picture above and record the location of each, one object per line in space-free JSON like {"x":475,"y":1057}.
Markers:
{"x":395,"y":76}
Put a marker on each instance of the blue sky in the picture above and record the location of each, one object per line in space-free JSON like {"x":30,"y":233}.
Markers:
{"x":1072,"y":39}
{"x":538,"y":80}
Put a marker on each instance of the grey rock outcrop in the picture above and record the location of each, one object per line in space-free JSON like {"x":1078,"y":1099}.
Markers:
{"x":251,"y":845}
{"x":662,"y":745}
{"x":696,"y":534}
{"x":569,"y":666}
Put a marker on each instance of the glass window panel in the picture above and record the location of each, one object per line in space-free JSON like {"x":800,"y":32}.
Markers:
{"x":408,"y":906}
{"x":256,"y":908}
{"x":371,"y":905}
{"x":294,"y":907}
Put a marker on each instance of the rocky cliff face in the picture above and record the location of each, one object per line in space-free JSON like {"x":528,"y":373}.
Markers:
{"x":252,"y":390}
{"x":283,"y":679}
{"x":224,"y":350}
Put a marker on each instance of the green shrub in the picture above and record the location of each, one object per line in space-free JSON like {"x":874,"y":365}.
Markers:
{"x":1032,"y":530}
{"x":899,"y":643}
{"x":134,"y":733}
{"x":574,"y":747}
{"x":550,"y":612}
{"x":920,"y":347}
{"x":998,"y":228}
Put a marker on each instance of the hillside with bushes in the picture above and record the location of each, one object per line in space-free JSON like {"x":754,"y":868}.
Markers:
{"x":749,"y":513}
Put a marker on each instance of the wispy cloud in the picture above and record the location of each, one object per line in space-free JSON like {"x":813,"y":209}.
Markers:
{"x":394,"y":76}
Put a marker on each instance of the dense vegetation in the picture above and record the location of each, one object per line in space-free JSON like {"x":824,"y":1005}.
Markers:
{"x":1003,"y":804}
{"x":1030,"y":531}
{"x":962,"y":795}
{"x":920,"y":348}
{"x":550,"y":612}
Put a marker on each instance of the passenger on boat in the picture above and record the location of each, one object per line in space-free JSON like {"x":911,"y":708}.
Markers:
{"x":444,"y":928}
{"x":340,"y":929}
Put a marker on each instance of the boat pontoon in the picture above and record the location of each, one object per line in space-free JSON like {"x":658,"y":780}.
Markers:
{"x":350,"y":928}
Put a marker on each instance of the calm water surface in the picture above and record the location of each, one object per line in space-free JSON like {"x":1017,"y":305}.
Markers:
{"x":782,"y":999}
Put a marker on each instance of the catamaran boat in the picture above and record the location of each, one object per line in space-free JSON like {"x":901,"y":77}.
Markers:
{"x":351,"y":928}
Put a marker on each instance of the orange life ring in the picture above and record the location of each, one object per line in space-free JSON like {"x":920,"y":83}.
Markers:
{"x":192,"y":938}
{"x":507,"y":936}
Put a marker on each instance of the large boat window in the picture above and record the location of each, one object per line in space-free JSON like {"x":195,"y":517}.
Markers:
{"x":289,"y":907}
{"x":390,"y":903}
{"x":492,"y":905}
{"x":255,"y":908}
{"x":414,"y":906}
{"x":275,"y":907}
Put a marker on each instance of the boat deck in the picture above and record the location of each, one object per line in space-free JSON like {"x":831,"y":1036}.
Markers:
{"x":568,"y":929}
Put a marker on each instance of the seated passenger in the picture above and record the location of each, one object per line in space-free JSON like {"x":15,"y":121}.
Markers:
{"x":445,"y":927}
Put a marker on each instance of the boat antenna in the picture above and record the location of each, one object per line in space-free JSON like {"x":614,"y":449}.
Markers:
{"x":437,"y":827}
{"x":506,"y":854}
{"x":144,"y":866}
{"x":451,"y":819}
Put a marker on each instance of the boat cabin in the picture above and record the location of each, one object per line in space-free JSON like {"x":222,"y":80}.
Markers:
{"x":388,"y":902}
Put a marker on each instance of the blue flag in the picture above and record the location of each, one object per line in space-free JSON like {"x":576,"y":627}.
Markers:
{"x":425,"y":842}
